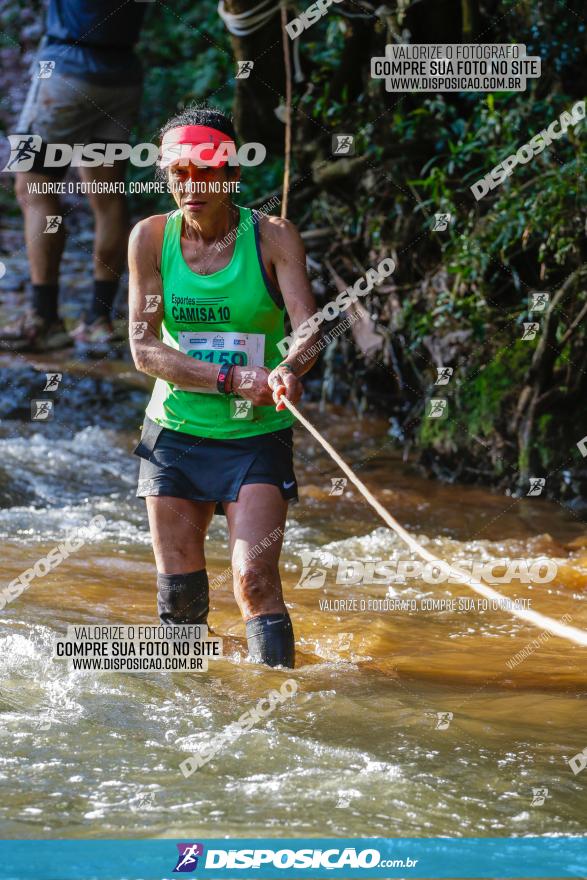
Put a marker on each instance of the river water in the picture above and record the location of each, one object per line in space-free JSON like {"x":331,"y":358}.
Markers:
{"x":366,"y":746}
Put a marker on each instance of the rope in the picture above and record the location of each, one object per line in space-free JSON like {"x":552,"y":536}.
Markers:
{"x":237,"y":23}
{"x":242,"y":24}
{"x":578,"y":636}
{"x":299,"y":77}
{"x":534,"y":618}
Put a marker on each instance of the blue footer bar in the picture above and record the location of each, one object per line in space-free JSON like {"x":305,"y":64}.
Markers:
{"x":294,"y":858}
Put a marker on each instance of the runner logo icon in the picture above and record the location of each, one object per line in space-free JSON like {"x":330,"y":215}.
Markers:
{"x":53,"y":380}
{"x":46,"y":68}
{"x":244,"y":69}
{"x":241,"y":409}
{"x":41,"y":410}
{"x":152,"y":302}
{"x":313,"y":575}
{"x":187,"y":860}
{"x":23,"y":149}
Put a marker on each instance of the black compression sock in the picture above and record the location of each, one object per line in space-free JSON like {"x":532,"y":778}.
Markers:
{"x":104,"y":296}
{"x":183,"y":598}
{"x":271,"y":640}
{"x":45,"y":297}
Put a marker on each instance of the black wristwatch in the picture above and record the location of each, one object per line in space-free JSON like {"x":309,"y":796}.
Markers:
{"x":222,"y":377}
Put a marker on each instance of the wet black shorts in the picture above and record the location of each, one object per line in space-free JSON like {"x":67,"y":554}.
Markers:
{"x":202,"y":469}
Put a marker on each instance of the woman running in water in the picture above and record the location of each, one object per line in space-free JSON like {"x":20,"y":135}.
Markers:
{"x":210,"y":283}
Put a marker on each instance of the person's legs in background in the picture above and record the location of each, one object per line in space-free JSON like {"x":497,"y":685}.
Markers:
{"x":64,"y":109}
{"x":111,"y":230}
{"x":116,"y":110}
{"x":41,"y":325}
{"x":50,"y":111}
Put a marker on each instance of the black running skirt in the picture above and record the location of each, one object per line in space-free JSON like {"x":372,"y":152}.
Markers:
{"x":202,"y":469}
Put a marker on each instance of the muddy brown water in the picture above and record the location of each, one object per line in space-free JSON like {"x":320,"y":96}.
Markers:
{"x":362,"y":748}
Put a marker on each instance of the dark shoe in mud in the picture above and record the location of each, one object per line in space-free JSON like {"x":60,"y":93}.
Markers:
{"x":95,"y":339}
{"x":35,"y":334}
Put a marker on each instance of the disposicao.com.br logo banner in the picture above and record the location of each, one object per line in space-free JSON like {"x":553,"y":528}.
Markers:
{"x":289,"y":859}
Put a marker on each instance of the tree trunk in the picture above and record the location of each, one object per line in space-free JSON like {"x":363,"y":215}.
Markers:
{"x":540,"y":375}
{"x":354,"y":60}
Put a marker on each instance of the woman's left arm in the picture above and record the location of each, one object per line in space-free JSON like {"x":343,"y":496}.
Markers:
{"x":283,"y":245}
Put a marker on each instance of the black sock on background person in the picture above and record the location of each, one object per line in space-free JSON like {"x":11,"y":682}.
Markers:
{"x":271,"y":640}
{"x":103,"y":300}
{"x":45,"y":299}
{"x":183,"y":598}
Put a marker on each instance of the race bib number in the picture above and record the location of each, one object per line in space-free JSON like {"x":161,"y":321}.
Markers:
{"x":240,"y":349}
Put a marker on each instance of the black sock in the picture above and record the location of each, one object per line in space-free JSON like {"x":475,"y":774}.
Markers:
{"x":104,"y":296}
{"x":45,"y":297}
{"x":183,"y":598}
{"x":271,"y":640}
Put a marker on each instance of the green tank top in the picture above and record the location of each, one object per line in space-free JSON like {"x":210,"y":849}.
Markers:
{"x":234,"y":316}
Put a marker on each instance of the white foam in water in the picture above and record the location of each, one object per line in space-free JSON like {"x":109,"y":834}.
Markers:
{"x":58,"y":470}
{"x":382,"y":545}
{"x":68,"y":482}
{"x":39,"y":687}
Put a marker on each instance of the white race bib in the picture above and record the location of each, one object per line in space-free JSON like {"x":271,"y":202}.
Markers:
{"x":240,"y":349}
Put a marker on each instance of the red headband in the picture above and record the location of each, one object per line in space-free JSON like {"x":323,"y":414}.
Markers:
{"x":185,"y":144}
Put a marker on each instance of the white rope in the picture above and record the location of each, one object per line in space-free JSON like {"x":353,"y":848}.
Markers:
{"x":578,"y":636}
{"x":299,"y":73}
{"x":242,"y":24}
{"x":237,"y":23}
